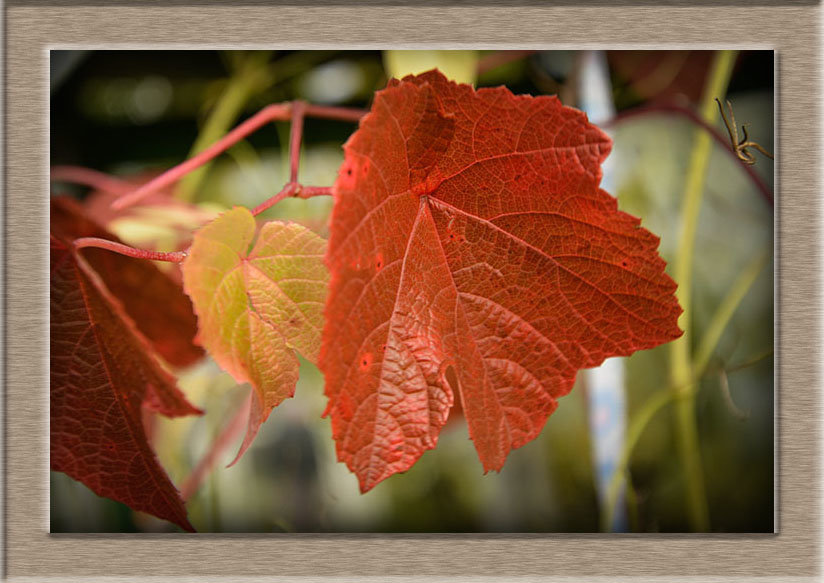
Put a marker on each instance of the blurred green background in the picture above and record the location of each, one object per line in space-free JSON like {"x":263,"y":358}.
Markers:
{"x":130,"y":113}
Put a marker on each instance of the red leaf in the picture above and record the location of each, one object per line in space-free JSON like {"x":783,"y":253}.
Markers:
{"x":470,"y":240}
{"x":156,"y":303}
{"x":103,"y":372}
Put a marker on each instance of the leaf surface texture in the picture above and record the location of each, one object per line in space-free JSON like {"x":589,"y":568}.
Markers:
{"x":470,"y":236}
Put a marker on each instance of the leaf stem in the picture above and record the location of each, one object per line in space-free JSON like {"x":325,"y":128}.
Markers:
{"x":250,"y":77}
{"x":261,"y":118}
{"x":274,"y":112}
{"x":231,"y":431}
{"x":699,"y":366}
{"x":335,"y":113}
{"x":173,"y":257}
{"x":639,"y":422}
{"x":292,"y":189}
{"x":91,"y":178}
{"x":497,"y":59}
{"x":680,"y":110}
{"x":725,"y":310}
{"x":298,"y":112}
{"x":681,"y":373}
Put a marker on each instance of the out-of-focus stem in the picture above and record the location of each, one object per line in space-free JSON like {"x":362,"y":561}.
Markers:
{"x":173,"y":257}
{"x":680,"y":369}
{"x":264,"y":116}
{"x":275,"y":112}
{"x":659,"y":399}
{"x":91,"y":178}
{"x":228,"y":434}
{"x":724,"y":312}
{"x":251,"y":77}
{"x":718,"y":137}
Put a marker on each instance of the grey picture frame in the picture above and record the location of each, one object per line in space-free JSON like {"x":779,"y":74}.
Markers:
{"x":33,"y":28}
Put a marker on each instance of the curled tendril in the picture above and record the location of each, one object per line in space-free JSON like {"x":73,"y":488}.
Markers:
{"x":740,"y":146}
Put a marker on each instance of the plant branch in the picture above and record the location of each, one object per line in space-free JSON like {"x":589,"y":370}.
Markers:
{"x":639,"y":422}
{"x":250,"y":76}
{"x":261,"y":118}
{"x":231,"y":431}
{"x":725,"y":310}
{"x":292,"y":189}
{"x":680,"y":110}
{"x":681,"y":371}
{"x":500,"y":58}
{"x":335,"y":113}
{"x":275,"y":112}
{"x":91,"y":178}
{"x":298,"y":111}
{"x":699,"y":367}
{"x":172,"y":257}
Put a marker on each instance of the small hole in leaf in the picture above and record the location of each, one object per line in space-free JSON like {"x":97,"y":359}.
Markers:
{"x":365,"y":361}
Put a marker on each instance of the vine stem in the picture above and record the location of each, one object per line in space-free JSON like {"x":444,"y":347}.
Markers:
{"x":681,"y":373}
{"x":720,"y":139}
{"x":499,"y":58}
{"x":91,"y":178}
{"x":292,"y":189}
{"x":230,"y":431}
{"x":172,"y":257}
{"x":249,"y":77}
{"x":274,"y":112}
{"x":700,"y":363}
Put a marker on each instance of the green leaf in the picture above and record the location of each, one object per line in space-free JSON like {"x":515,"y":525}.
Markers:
{"x":256,"y":308}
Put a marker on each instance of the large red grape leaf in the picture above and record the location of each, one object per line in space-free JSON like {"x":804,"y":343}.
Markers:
{"x":257,"y":307}
{"x":153,"y":300}
{"x":103,"y":373}
{"x":470,"y":242}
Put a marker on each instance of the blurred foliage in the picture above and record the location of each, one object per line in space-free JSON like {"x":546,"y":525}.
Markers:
{"x":126,"y":112}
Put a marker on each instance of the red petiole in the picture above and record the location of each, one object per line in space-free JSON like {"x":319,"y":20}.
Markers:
{"x":91,"y":178}
{"x":294,"y":111}
{"x":173,"y":257}
{"x":292,"y":189}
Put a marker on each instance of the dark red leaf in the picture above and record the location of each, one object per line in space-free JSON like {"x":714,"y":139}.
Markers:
{"x":156,"y":303}
{"x":102,"y":374}
{"x":470,"y":241}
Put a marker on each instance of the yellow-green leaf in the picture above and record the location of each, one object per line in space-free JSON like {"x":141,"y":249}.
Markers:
{"x":256,"y":308}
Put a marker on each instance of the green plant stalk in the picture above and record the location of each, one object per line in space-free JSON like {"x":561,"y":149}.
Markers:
{"x":680,"y":371}
{"x":658,"y":400}
{"x":724,"y":312}
{"x":251,"y":77}
{"x":639,"y":422}
{"x":247,"y":159}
